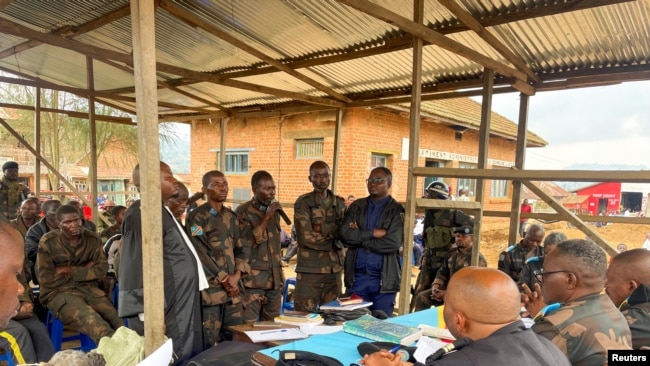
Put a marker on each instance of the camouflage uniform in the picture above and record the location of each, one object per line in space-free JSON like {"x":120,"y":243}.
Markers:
{"x":12,"y":194}
{"x":264,"y":282}
{"x":437,"y":240}
{"x":636,"y":311}
{"x":110,"y":232}
{"x":585,"y":328}
{"x":513,"y":260}
{"x":453,"y":262}
{"x":529,"y":274}
{"x":215,"y":235}
{"x":102,"y":225}
{"x":76,"y":300}
{"x":19,"y":225}
{"x":320,"y":253}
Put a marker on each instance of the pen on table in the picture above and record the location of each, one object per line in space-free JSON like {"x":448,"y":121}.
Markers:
{"x":395,"y":349}
{"x":274,"y":331}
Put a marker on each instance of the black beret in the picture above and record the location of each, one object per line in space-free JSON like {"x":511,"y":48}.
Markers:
{"x":9,"y":165}
{"x":467,"y":228}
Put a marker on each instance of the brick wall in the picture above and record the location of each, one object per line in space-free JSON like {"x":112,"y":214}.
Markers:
{"x":272,"y":146}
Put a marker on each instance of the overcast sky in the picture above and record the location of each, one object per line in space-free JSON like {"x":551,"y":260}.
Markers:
{"x":599,"y":125}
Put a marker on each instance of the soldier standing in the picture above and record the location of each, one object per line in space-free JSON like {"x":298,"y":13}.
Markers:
{"x":317,"y":216}
{"x":70,"y":262}
{"x":224,"y":256}
{"x":259,"y":225}
{"x":12,"y":192}
{"x":437,"y":239}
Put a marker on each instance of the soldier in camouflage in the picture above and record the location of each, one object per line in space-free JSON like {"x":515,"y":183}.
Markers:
{"x":534,"y":265}
{"x":513,"y":260}
{"x":70,"y":262}
{"x":87,"y":224}
{"x":437,"y":239}
{"x":223,"y":254}
{"x":457,"y":258}
{"x":118,"y":214}
{"x":12,"y":192}
{"x":581,"y":321}
{"x":28,"y":216}
{"x":628,"y":285}
{"x":259,"y":225}
{"x":318,"y":216}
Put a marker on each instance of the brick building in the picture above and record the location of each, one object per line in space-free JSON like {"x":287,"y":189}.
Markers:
{"x":369,"y":137}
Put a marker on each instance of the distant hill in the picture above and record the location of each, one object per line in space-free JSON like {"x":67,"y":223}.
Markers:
{"x":176,"y":154}
{"x":572,"y":186}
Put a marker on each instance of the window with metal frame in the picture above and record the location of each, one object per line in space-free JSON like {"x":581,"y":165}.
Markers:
{"x":309,"y":148}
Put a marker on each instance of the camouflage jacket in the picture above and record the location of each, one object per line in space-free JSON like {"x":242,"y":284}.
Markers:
{"x":636,"y":311}
{"x":453,"y":262}
{"x":19,"y":224}
{"x":264,"y":261}
{"x":529,"y":274}
{"x":513,"y":260}
{"x":215,"y":235}
{"x":54,"y":250}
{"x":109,"y":232}
{"x":12,"y":194}
{"x":585,"y":328}
{"x":437,"y":236}
{"x":317,"y":225}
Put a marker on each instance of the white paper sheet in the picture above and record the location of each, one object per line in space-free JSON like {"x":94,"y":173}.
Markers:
{"x":425,"y":347}
{"x":321,"y":329}
{"x":161,"y":356}
{"x":275,"y":335}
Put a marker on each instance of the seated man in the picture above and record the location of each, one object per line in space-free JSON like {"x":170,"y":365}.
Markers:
{"x":628,"y":285}
{"x":36,"y":232}
{"x":586,"y":324}
{"x":482,"y":312}
{"x":118,"y":215}
{"x":512,"y":261}
{"x":70,"y":262}
{"x":534,"y":265}
{"x":457,"y":258}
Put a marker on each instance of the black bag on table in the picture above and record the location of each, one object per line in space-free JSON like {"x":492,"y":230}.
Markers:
{"x":227,"y":353}
{"x":305,"y":358}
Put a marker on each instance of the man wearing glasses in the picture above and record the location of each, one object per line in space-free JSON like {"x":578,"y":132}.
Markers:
{"x":584,"y":323}
{"x":373,"y":230}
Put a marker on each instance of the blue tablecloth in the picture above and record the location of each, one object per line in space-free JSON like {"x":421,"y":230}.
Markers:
{"x":343,"y":346}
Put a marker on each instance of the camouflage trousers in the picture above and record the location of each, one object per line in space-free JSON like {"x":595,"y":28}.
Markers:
{"x":314,"y":289}
{"x":428,"y":269}
{"x":424,"y":301}
{"x":217,"y":318}
{"x":94,"y":316}
{"x":262,"y":304}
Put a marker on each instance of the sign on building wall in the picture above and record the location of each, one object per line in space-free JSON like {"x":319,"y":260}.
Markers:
{"x":450,"y":156}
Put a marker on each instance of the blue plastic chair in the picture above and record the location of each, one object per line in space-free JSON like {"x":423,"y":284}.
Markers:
{"x":7,"y":358}
{"x":287,"y":305}
{"x":55,"y":327}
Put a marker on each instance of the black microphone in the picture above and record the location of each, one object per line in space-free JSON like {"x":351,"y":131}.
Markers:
{"x":459,"y":343}
{"x":282,"y":214}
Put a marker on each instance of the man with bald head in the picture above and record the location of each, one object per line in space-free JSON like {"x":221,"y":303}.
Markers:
{"x":11,"y":263}
{"x":482,"y":311}
{"x":513,"y":260}
{"x":628,"y":285}
{"x":585,"y":324}
{"x":183,"y":278}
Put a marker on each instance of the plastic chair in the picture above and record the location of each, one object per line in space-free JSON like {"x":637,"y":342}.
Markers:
{"x":55,"y":327}
{"x":115,"y":295}
{"x":7,"y":358}
{"x":287,"y":305}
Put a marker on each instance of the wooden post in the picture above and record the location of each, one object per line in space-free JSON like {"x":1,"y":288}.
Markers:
{"x":90,"y":74}
{"x":144,"y":61}
{"x":414,"y":148}
{"x":222,"y":142}
{"x":483,"y":147}
{"x":520,"y":160}
{"x":37,"y":144}
{"x":337,"y":151}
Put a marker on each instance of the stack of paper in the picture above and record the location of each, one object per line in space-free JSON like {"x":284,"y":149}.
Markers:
{"x":335,"y":305}
{"x":298,"y":318}
{"x":275,"y":335}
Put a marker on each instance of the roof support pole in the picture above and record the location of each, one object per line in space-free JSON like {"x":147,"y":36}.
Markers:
{"x":90,"y":74}
{"x":37,"y":144}
{"x":483,"y":147}
{"x":337,"y":149}
{"x":222,"y":145}
{"x":520,"y":160}
{"x":146,"y":92}
{"x":414,"y":147}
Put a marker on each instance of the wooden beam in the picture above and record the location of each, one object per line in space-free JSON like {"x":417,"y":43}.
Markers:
{"x":641,"y":176}
{"x":520,"y":161}
{"x":37,"y":143}
{"x":338,"y":125}
{"x":76,"y":114}
{"x":443,"y":204}
{"x":184,"y":117}
{"x":69,"y":32}
{"x":90,"y":81}
{"x":144,"y":62}
{"x":571,"y":217}
{"x":196,"y":21}
{"x":431,"y":36}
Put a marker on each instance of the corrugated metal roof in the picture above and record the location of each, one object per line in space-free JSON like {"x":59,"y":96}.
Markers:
{"x":553,"y":43}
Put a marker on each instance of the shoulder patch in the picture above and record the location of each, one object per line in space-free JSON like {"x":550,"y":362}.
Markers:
{"x":511,"y":248}
{"x":532,"y":259}
{"x":197,"y":230}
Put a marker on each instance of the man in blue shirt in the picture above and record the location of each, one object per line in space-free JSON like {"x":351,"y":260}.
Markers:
{"x":373,"y":231}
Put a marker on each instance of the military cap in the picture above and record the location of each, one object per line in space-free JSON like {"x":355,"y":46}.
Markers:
{"x":9,"y":165}
{"x":466,"y":228}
